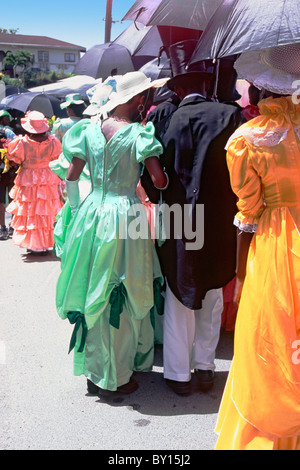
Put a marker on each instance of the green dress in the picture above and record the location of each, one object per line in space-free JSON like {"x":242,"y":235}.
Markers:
{"x":110,"y":276}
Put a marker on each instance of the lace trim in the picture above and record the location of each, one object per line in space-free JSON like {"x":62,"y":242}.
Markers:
{"x":250,"y":228}
{"x":260,"y":137}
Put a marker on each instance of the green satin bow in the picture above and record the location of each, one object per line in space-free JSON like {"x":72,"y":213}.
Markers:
{"x":77,"y":319}
{"x":117,"y":299}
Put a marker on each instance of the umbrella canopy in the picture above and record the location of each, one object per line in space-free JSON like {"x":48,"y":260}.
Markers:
{"x":246,"y":25}
{"x":47,"y":104}
{"x":104,"y":60}
{"x":143,"y":42}
{"x":191,"y":14}
{"x":157,"y":68}
{"x":61,"y":88}
{"x":6,"y":90}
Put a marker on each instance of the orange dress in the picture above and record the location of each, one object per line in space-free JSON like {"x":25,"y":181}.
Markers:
{"x":260,"y":408}
{"x":36,"y":199}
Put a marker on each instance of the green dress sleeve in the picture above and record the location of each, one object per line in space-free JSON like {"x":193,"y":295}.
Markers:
{"x":74,"y":141}
{"x":146,"y":144}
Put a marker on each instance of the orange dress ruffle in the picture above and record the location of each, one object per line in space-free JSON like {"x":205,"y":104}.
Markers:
{"x":260,"y":407}
{"x":35,"y":194}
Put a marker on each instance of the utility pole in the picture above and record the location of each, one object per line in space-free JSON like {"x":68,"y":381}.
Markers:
{"x":108,"y":20}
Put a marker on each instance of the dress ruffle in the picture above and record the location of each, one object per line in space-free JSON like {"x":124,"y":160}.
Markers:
{"x":35,"y":194}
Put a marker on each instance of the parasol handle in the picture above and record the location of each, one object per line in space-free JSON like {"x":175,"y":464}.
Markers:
{"x":215,"y":92}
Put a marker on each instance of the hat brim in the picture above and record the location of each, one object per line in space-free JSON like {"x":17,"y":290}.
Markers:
{"x":32,"y":130}
{"x":92,"y":109}
{"x":250,"y":67}
{"x":66,"y":104}
{"x":6,"y":113}
{"x":172,"y":82}
{"x":116,"y":99}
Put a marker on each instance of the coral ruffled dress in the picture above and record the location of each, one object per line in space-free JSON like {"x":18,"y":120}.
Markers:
{"x":260,"y":408}
{"x":36,"y":199}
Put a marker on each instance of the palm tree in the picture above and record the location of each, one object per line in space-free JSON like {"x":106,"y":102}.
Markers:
{"x":19,"y":58}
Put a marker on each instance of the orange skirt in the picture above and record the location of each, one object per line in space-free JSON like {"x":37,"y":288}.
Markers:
{"x":261,"y":404}
{"x":235,"y":433}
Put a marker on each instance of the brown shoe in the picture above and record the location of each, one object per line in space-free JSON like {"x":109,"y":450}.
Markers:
{"x":180,"y":388}
{"x":204,"y":379}
{"x":125,"y":389}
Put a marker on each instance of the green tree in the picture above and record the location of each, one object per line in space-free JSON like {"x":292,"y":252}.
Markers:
{"x":9,"y":31}
{"x":19,"y":58}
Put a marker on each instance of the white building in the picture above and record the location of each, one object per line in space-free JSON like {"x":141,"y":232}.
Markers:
{"x":49,"y":54}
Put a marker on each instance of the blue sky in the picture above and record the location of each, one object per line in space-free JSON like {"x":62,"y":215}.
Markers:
{"x":78,"y":22}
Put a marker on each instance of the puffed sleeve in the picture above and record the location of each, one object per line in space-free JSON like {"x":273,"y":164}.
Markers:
{"x":146,"y":144}
{"x":246,"y":184}
{"x":74,"y":141}
{"x":15,"y":150}
{"x":56,"y":148}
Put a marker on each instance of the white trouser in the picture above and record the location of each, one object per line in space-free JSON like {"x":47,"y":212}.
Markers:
{"x":191,"y":336}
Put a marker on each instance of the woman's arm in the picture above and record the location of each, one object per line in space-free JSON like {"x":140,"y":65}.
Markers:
{"x":158,"y":176}
{"x":75,"y":169}
{"x":243,"y":244}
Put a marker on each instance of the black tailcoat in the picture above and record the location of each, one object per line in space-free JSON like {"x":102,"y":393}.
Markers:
{"x":195,"y":159}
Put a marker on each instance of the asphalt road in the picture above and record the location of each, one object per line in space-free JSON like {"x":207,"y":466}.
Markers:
{"x":44,"y":407}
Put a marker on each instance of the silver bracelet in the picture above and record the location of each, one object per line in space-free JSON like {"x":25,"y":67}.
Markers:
{"x":165,"y":187}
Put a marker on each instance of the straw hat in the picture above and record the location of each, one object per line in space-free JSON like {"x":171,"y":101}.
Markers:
{"x":35,"y":122}
{"x":274,"y":69}
{"x":73,"y":98}
{"x":128,"y":86}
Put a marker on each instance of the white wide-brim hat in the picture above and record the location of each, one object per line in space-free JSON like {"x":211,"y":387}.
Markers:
{"x":275,"y":69}
{"x":99,"y":95}
{"x":128,"y":86}
{"x":35,"y":122}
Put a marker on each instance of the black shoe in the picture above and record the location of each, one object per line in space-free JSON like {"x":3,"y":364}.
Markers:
{"x":125,"y":389}
{"x":3,"y":233}
{"x":92,"y":388}
{"x":180,"y":388}
{"x":204,"y":379}
{"x":38,"y":253}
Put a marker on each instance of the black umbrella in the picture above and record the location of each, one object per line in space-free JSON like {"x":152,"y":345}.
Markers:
{"x":6,"y":90}
{"x":12,"y":90}
{"x":155,"y":69}
{"x":104,"y":60}
{"x":176,"y":20}
{"x":246,"y":25}
{"x":191,"y":14}
{"x":143,"y":42}
{"x":47,"y":104}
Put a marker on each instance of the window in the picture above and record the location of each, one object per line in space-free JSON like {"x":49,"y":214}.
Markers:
{"x":43,"y":56}
{"x":69,"y":57}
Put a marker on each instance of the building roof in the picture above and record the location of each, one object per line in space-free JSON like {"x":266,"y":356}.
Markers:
{"x":25,"y":40}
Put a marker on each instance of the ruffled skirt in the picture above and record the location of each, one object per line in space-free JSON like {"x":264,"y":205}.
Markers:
{"x":35,"y":204}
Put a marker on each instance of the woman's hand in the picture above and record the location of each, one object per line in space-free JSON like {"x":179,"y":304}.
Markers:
{"x":238,"y":291}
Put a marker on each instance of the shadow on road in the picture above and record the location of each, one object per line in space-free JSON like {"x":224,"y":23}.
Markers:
{"x":154,"y":398}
